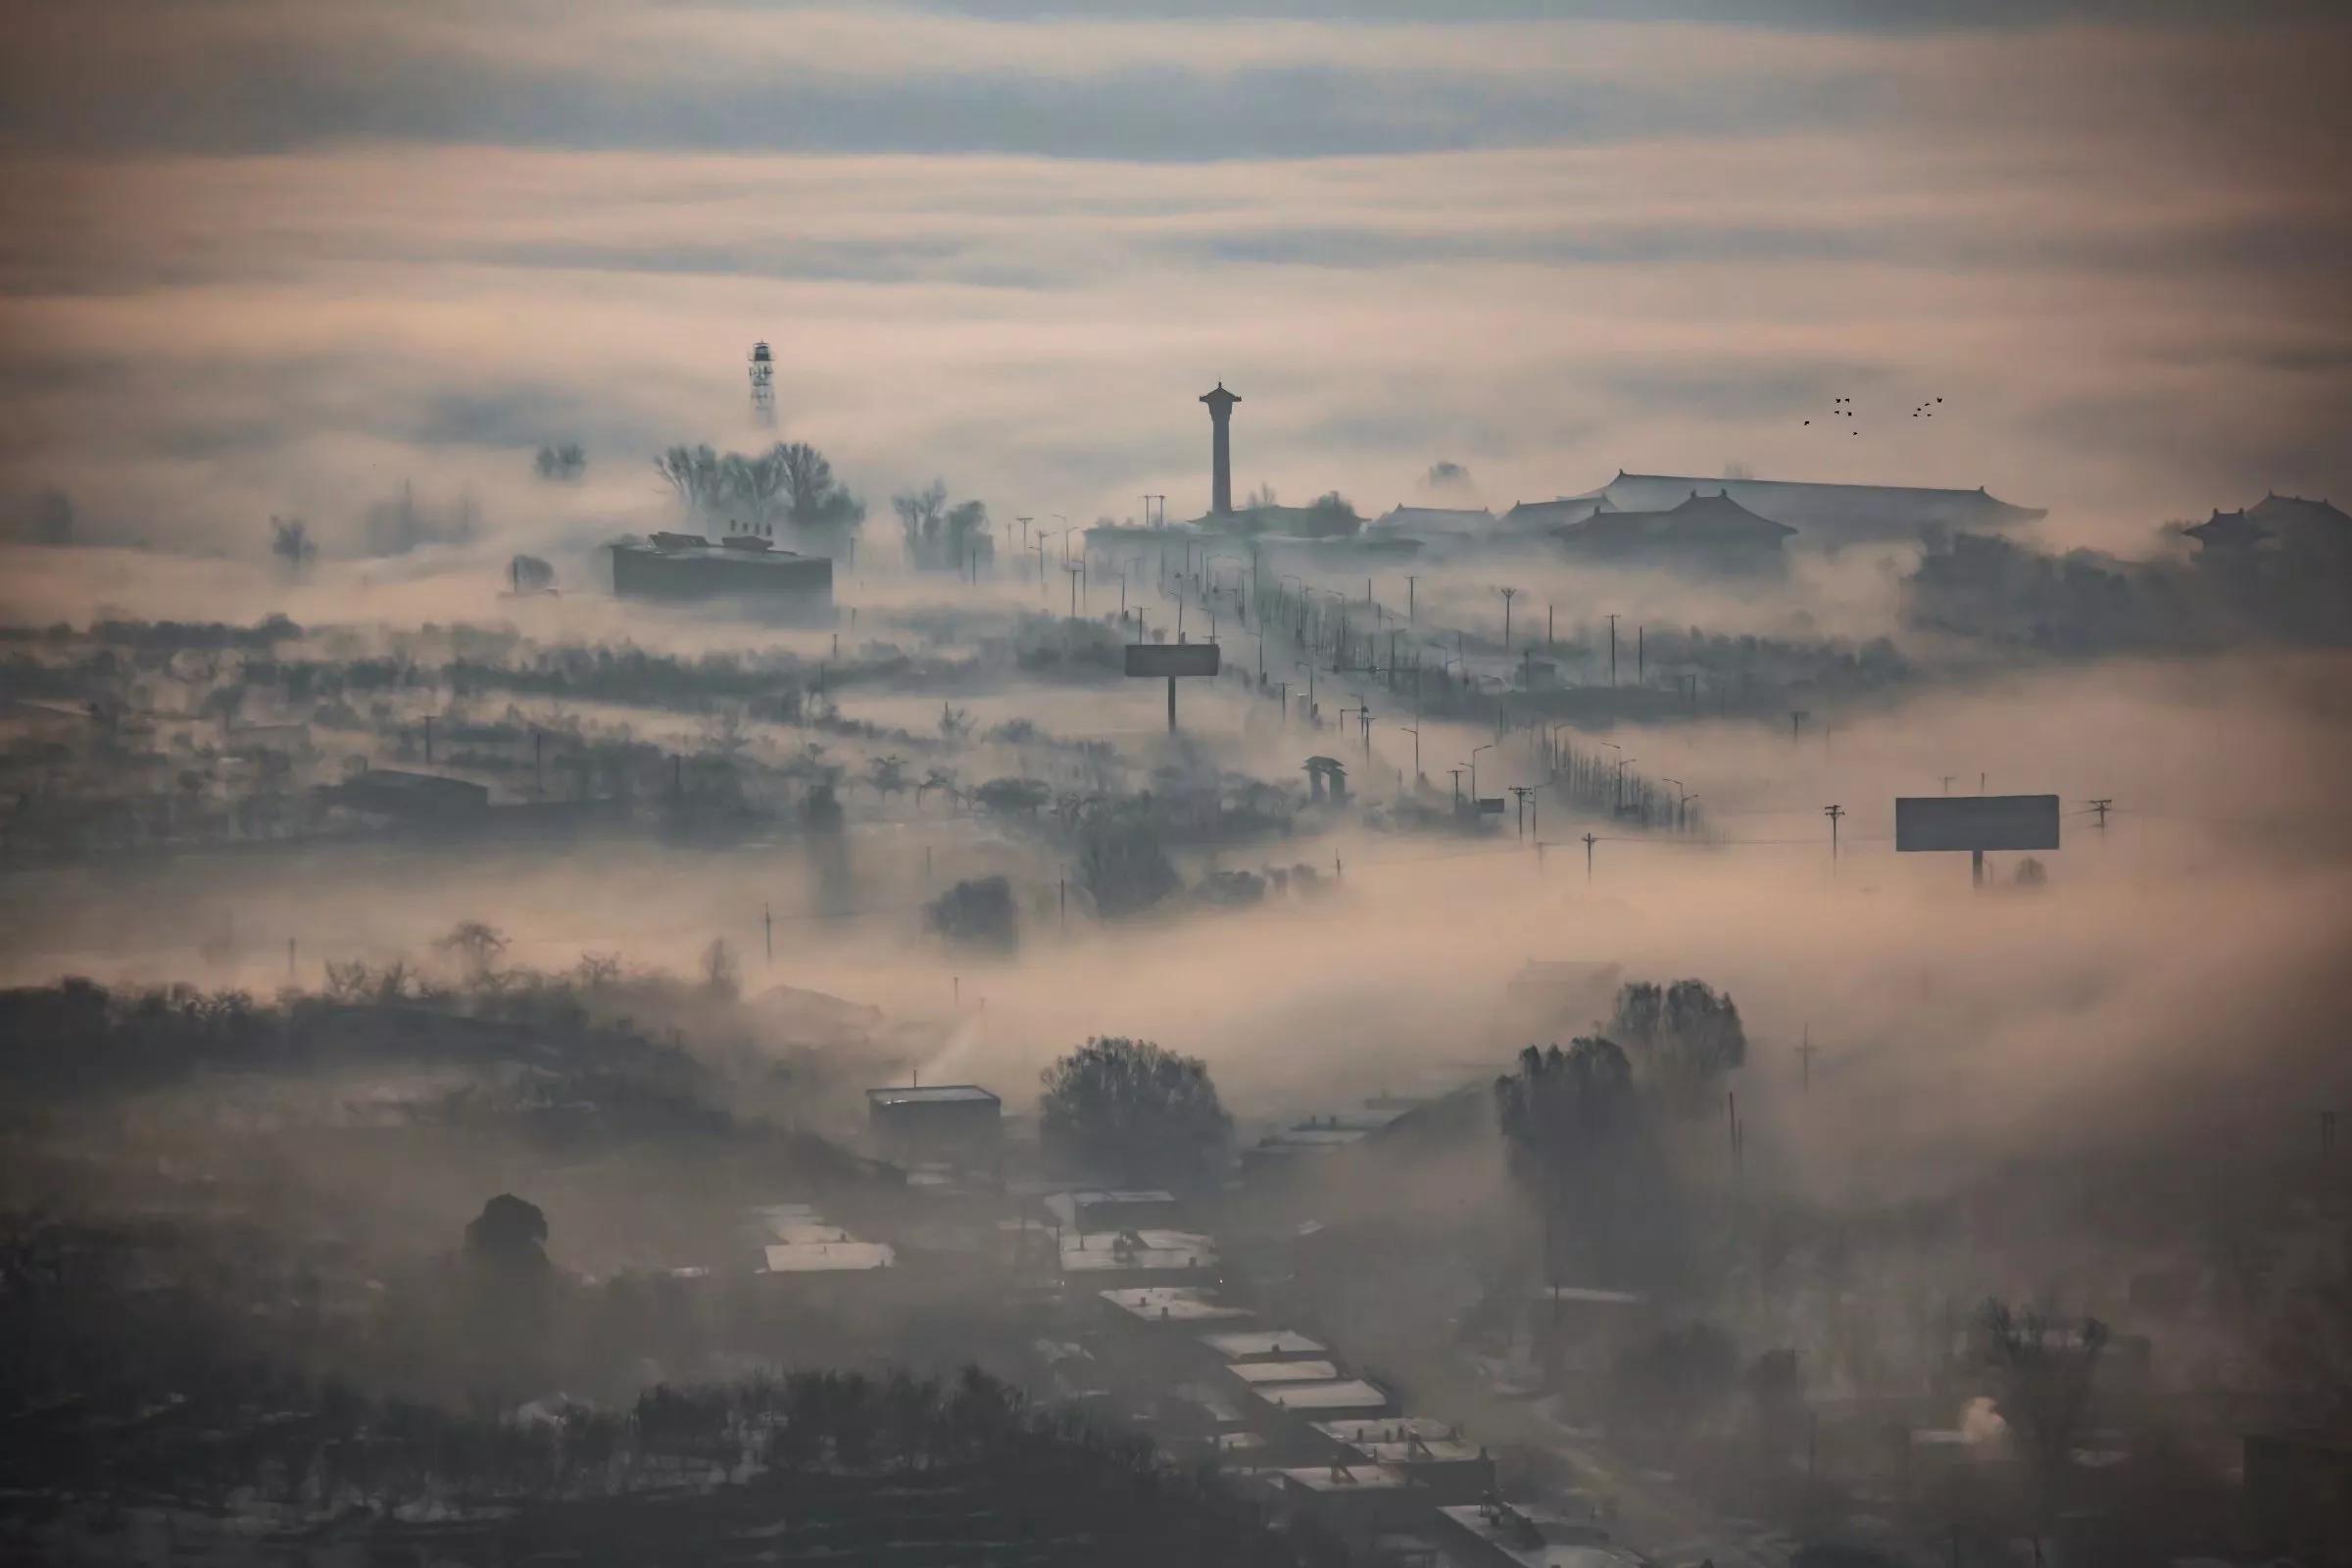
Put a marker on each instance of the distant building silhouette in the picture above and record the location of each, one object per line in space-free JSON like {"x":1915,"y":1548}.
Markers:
{"x":1220,"y":449}
{"x":1712,"y":532}
{"x":2274,"y":523}
{"x":1828,"y":515}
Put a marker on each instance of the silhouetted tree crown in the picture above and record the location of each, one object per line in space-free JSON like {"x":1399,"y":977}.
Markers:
{"x":978,"y":913}
{"x":1130,"y":1108}
{"x":508,"y":1232}
{"x":1680,"y":1037}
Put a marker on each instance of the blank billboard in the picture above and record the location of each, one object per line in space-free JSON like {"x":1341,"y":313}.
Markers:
{"x":1976,"y":822}
{"x":1171,"y":659}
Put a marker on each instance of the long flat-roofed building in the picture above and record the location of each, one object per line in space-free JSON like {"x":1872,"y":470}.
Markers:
{"x":683,"y":567}
{"x":935,"y":1121}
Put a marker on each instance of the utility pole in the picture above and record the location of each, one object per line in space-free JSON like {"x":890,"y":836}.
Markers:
{"x":1833,"y":814}
{"x":1507,"y":595}
{"x":767,"y":931}
{"x":1612,"y":653}
{"x":1523,"y":791}
{"x":1797,"y":723}
{"x":1547,"y":628}
{"x":1947,"y":783}
{"x":1409,"y":581}
{"x":1804,"y":1056}
{"x":1590,"y":841}
{"x":1641,"y":656}
{"x":289,"y":957}
{"x":2103,"y":805}
{"x":1458,"y":787}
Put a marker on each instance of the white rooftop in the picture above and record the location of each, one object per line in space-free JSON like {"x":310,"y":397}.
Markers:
{"x":1565,"y":1544}
{"x":1261,"y":1373}
{"x":1100,"y":1251}
{"x":828,"y":1257}
{"x":931,"y":1095}
{"x":1386,"y":1429}
{"x":1589,"y":1294}
{"x":1261,"y":1345}
{"x":1345,"y":1478}
{"x":1174,"y":1304}
{"x":1343,"y":1393}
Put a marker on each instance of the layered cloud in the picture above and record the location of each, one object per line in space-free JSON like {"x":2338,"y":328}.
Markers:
{"x":269,"y":257}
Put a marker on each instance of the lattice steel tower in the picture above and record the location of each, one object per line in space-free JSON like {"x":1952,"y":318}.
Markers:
{"x":764,"y":384}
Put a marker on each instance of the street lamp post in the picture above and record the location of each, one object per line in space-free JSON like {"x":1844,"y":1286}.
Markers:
{"x":1474,"y":751}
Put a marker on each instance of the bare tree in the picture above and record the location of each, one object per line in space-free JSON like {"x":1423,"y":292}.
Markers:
{"x":887,"y":774}
{"x":2045,"y":1365}
{"x":754,"y":487}
{"x":720,"y":972}
{"x":816,"y":501}
{"x":564,"y":463}
{"x":697,"y":475}
{"x":597,"y":970}
{"x":477,"y":946}
{"x":919,"y":513}
{"x":938,"y":778}
{"x":290,"y":542}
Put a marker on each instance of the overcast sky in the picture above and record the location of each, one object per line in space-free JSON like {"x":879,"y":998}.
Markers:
{"x":281,"y":257}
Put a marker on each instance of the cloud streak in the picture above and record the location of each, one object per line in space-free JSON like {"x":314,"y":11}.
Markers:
{"x":1006,"y":249}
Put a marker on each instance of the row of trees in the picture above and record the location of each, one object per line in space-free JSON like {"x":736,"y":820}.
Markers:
{"x":1580,"y":1124}
{"x":791,"y":483}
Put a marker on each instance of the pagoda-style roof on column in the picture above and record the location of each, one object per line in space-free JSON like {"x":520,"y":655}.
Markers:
{"x":1220,"y":399}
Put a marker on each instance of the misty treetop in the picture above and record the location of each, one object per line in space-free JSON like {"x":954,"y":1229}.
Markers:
{"x":1132,"y":1110}
{"x":508,"y":1233}
{"x":566,"y":464}
{"x":979,"y":913}
{"x":1680,"y":1037}
{"x":1121,"y":861}
{"x":1577,"y":1141}
{"x":791,"y":483}
{"x":940,"y":536}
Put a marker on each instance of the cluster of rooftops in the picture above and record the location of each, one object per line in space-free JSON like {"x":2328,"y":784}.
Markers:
{"x":1636,"y":511}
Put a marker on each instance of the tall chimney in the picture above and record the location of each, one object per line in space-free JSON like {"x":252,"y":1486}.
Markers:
{"x":1220,"y":419}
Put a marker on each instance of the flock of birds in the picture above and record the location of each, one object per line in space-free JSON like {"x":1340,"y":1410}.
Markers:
{"x":1844,"y":409}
